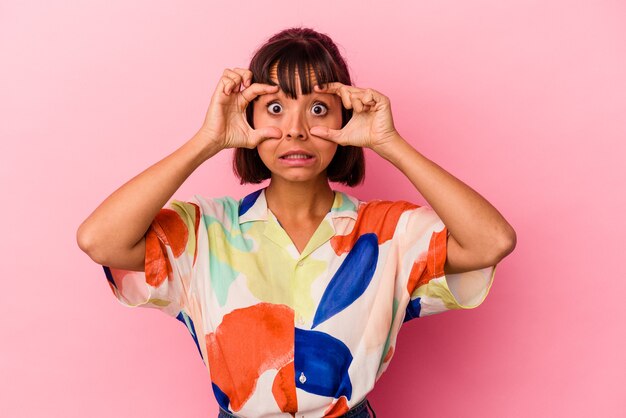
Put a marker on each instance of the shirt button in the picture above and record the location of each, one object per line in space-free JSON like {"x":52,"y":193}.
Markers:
{"x":300,"y":320}
{"x":300,"y":263}
{"x":302,"y":377}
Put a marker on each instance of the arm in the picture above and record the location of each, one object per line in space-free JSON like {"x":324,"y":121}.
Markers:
{"x":113,"y":234}
{"x":479,"y":235}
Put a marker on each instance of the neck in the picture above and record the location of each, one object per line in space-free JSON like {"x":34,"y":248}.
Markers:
{"x":299,"y":201}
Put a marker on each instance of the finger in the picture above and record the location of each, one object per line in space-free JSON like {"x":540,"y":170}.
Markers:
{"x":368,"y":98}
{"x":257,"y":89}
{"x":245,"y":74}
{"x":237,"y":79}
{"x":338,"y":89}
{"x":356,"y":103}
{"x":227,"y":83}
{"x":334,"y":135}
{"x":268,"y":132}
{"x":331,"y":88}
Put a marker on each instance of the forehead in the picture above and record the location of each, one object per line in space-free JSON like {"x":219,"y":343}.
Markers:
{"x":310,"y":75}
{"x":290,"y":82}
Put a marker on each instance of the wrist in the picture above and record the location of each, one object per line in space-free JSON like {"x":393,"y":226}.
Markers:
{"x":390,"y":147}
{"x":203,"y":146}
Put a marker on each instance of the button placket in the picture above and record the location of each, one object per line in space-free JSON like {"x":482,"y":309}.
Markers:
{"x":299,"y":318}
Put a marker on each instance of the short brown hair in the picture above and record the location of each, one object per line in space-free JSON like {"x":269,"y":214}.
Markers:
{"x":301,"y":49}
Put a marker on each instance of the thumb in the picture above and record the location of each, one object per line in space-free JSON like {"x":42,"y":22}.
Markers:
{"x":326,"y":133}
{"x":267,"y":132}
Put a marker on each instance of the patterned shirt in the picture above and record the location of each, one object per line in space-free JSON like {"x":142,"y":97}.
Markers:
{"x":284,"y":333}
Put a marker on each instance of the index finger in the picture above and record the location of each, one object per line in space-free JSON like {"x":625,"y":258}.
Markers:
{"x":339,"y":89}
{"x":331,"y":88}
{"x":257,"y":89}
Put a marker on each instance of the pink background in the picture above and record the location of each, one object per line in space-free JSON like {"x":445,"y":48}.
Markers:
{"x":522,"y":100}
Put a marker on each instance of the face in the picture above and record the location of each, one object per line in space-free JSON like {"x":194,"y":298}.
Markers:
{"x":294,"y":118}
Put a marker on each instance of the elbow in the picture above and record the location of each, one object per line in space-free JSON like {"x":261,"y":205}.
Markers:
{"x":87,"y":245}
{"x":506,"y":245}
{"x":82,"y":239}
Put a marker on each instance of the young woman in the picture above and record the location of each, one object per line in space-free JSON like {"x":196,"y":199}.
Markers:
{"x":295,"y":293}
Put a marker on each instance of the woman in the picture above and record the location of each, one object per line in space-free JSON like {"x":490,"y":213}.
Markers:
{"x":295,"y":293}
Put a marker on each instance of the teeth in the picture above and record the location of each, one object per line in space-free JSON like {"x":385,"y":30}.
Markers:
{"x":296,"y":156}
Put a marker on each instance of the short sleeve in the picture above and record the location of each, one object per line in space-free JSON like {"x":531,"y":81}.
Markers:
{"x":422,"y":244}
{"x":171,"y":254}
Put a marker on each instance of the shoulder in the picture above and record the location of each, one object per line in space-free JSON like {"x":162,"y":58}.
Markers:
{"x":397,"y":215}
{"x":384,"y":209}
{"x":219,"y":209}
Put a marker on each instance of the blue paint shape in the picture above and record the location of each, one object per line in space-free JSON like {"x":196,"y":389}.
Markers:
{"x":413,"y":310}
{"x":248,"y":201}
{"x":107,"y":272}
{"x":221,"y":397}
{"x":322,"y":361}
{"x":186,"y":319}
{"x":350,"y":280}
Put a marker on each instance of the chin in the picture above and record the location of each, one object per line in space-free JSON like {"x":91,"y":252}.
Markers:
{"x":303,"y":177}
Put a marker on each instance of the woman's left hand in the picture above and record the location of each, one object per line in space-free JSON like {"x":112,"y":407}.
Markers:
{"x":371,"y":124}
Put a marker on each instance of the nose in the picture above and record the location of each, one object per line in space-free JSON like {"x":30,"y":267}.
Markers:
{"x":296,"y":128}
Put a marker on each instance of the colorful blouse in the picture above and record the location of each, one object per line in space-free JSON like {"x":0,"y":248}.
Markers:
{"x":284,"y":333}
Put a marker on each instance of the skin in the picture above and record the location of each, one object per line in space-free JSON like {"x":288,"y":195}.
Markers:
{"x":298,"y":195}
{"x":479,"y":235}
{"x":113,"y":234}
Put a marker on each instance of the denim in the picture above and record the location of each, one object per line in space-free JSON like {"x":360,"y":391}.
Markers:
{"x":359,"y":410}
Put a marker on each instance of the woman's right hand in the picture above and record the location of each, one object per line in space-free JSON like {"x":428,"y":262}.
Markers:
{"x":225,"y":122}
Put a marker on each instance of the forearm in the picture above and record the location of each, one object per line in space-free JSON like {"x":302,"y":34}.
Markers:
{"x":122,"y":220}
{"x":474,"y":223}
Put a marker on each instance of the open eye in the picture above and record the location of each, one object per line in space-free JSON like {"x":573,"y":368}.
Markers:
{"x":319,"y":109}
{"x":274,"y":108}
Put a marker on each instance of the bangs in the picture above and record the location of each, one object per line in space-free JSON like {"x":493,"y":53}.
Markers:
{"x":304,"y":64}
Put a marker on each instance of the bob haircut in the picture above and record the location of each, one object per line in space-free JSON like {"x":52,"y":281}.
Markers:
{"x":300,"y":49}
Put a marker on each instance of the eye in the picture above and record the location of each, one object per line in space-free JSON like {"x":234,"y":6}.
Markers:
{"x":274,"y":108}
{"x":319,"y":109}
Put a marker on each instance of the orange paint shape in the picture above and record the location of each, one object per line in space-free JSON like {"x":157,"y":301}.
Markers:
{"x":430,"y":264}
{"x":196,"y":228}
{"x":284,"y":389}
{"x":248,"y":342}
{"x":167,"y":228}
{"x":379,"y":217}
{"x":171,"y":229}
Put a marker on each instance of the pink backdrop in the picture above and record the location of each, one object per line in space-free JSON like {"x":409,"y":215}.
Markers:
{"x":522,"y":100}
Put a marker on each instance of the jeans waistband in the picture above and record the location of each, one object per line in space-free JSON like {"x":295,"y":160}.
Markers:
{"x":352,"y":412}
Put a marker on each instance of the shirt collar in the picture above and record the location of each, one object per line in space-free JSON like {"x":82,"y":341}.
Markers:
{"x":253,"y":207}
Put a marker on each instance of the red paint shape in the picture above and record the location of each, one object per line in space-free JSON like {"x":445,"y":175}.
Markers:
{"x":248,"y":342}
{"x":284,"y":389}
{"x":379,"y":217}
{"x":430,"y":265}
{"x":389,"y":354}
{"x":156,"y":263}
{"x":171,"y":229}
{"x":338,"y":408}
{"x":167,"y":228}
